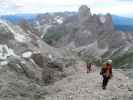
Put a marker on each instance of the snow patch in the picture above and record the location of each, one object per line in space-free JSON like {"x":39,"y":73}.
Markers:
{"x":58,"y":19}
{"x":3,"y":63}
{"x":102,"y":19}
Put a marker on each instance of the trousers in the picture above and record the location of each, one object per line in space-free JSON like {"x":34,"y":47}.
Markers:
{"x":105,"y":81}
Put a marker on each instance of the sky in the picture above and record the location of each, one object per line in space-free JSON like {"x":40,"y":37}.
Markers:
{"x":117,"y":7}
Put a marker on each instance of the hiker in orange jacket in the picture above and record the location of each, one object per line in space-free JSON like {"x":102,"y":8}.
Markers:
{"x":106,"y":72}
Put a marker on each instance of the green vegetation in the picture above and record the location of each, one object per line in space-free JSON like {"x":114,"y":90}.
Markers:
{"x":51,"y":37}
{"x":91,"y":59}
{"x":123,"y":61}
{"x":55,"y":33}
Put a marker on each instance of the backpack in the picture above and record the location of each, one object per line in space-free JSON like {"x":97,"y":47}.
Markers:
{"x":104,"y":65}
{"x":103,"y":68}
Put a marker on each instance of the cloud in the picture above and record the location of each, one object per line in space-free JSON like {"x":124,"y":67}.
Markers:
{"x":126,"y":0}
{"x":40,"y":6}
{"x":116,"y":9}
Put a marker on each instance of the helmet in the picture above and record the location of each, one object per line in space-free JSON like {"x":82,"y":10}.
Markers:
{"x":109,"y":61}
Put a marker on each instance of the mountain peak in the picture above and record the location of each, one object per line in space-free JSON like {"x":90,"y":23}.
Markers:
{"x":84,"y":14}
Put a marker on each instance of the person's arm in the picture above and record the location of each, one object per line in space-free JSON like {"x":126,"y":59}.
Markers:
{"x":111,"y":69}
{"x":102,"y":68}
{"x":101,"y":72}
{"x":111,"y":74}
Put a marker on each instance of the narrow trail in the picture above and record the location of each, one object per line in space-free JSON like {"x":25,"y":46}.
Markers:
{"x":83,"y":86}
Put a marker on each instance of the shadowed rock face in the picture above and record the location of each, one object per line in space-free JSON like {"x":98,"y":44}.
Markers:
{"x":6,"y":35}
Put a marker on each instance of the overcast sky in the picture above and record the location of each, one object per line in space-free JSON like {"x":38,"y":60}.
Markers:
{"x":117,"y":7}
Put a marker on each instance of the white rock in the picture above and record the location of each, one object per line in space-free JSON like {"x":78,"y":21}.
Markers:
{"x":27,"y":54}
{"x":3,"y":63}
{"x":5,"y":52}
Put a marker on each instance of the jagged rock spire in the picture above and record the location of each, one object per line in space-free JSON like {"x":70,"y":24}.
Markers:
{"x":84,"y":14}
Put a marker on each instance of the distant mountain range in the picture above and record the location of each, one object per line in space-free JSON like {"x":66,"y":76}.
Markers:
{"x":18,"y":17}
{"x":120,"y":23}
{"x":123,"y":23}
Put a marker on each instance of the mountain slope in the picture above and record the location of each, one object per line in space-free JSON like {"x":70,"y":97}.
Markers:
{"x":96,"y":33}
{"x":27,"y":63}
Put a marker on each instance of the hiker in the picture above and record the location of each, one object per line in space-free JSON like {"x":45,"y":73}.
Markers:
{"x":93,"y":67}
{"x":106,"y":72}
{"x":89,"y":65}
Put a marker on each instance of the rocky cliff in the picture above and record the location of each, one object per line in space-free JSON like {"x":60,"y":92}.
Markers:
{"x":27,"y":63}
{"x":95,"y":35}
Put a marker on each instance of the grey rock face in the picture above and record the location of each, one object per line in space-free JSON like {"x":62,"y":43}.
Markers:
{"x":84,"y":14}
{"x":83,"y":38}
{"x":5,"y":34}
{"x":108,"y":25}
{"x":25,"y":77}
{"x":97,"y":28}
{"x":89,"y":28}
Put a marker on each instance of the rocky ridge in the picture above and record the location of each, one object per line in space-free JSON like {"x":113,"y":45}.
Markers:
{"x":84,"y":86}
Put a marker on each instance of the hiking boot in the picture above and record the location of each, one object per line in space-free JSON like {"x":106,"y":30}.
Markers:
{"x":104,"y":88}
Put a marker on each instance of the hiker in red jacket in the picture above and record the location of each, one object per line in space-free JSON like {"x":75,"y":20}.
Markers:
{"x":106,"y":72}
